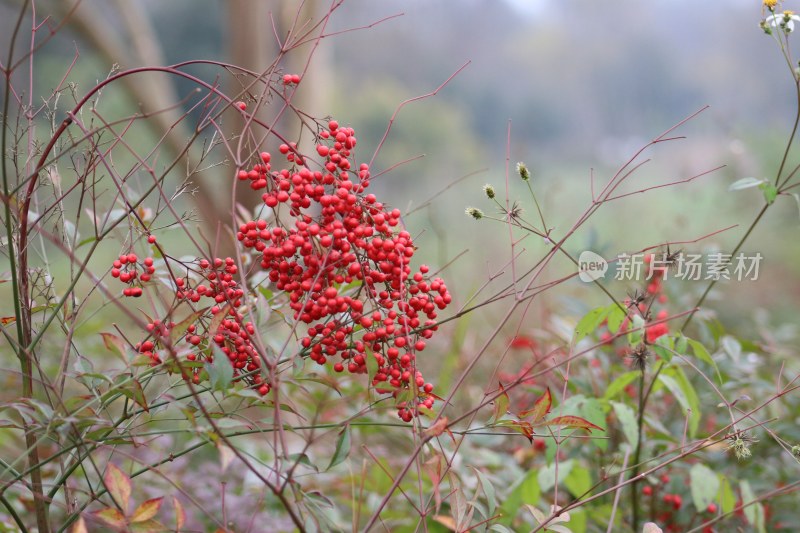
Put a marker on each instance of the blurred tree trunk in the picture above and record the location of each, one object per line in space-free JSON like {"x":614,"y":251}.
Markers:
{"x":123,"y":34}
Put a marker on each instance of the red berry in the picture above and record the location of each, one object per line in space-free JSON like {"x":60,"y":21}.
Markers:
{"x":712,"y":508}
{"x":241,"y":105}
{"x":647,"y":490}
{"x":151,"y":239}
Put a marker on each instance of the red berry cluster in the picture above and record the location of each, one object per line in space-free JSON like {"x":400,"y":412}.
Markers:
{"x":126,"y":268}
{"x":291,"y":79}
{"x":345,"y":268}
{"x":343,"y":264}
{"x":221,"y":324}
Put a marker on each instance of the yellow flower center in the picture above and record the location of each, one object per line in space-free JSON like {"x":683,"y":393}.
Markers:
{"x":770,"y":3}
{"x":788,"y":13}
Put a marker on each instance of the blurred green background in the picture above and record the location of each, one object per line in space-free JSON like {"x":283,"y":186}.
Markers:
{"x":582,"y":85}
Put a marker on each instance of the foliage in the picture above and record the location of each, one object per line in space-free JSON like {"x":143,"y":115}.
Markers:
{"x":162,"y":385}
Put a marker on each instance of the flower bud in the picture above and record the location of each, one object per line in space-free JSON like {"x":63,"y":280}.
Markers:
{"x":474,"y":212}
{"x":523,"y":171}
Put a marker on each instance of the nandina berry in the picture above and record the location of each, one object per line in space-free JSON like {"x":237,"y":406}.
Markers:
{"x":241,"y":105}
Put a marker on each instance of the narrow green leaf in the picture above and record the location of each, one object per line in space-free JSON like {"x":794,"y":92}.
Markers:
{"x":701,"y":353}
{"x":589,"y":323}
{"x":342,"y":447}
{"x":705,"y":486}
{"x":618,"y":385}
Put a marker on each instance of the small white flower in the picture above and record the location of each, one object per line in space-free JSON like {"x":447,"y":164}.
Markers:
{"x":784,"y":20}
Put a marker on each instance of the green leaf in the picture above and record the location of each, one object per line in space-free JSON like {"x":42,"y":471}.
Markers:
{"x":342,"y":447}
{"x":680,"y":387}
{"x":701,"y":353}
{"x":727,"y":500}
{"x":618,"y":385}
{"x":579,"y":481}
{"x":220,"y":372}
{"x":547,"y":475}
{"x":488,"y":490}
{"x":663,"y":347}
{"x":616,"y":316}
{"x":131,"y":388}
{"x":770,"y":191}
{"x":525,"y":491}
{"x":745,"y":183}
{"x":589,"y":323}
{"x":627,"y":418}
{"x":755,"y":511}
{"x":500,"y":404}
{"x":303,"y":459}
{"x":636,"y":330}
{"x":705,"y":486}
{"x":590,"y":409}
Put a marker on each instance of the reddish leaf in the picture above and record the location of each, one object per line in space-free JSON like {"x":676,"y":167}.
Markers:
{"x":116,"y":345}
{"x":573,"y":422}
{"x":500,"y":404}
{"x":111,"y":516}
{"x":80,"y":526}
{"x":438,"y":428}
{"x":118,"y":485}
{"x":180,"y":514}
{"x":433,"y":467}
{"x":540,"y":408}
{"x":147,"y":510}
{"x":519,"y":426}
{"x":6,"y":320}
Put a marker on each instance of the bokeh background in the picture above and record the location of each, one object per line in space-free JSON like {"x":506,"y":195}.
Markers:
{"x":580,"y":86}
